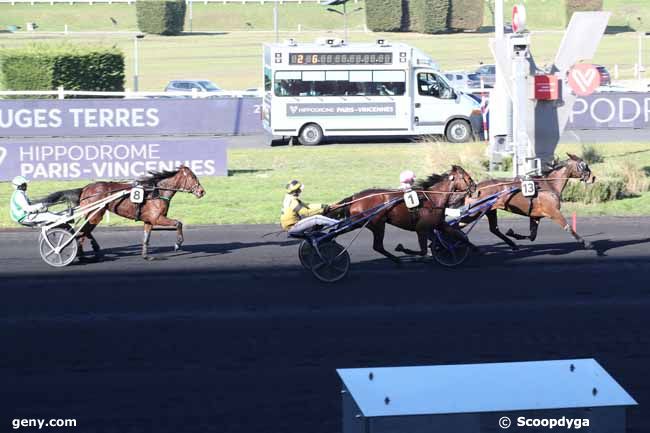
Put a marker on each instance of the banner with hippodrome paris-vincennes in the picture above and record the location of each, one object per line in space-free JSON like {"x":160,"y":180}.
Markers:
{"x":110,"y":158}
{"x":85,"y":133}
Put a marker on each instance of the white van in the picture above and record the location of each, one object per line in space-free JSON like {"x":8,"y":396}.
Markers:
{"x":333,"y":88}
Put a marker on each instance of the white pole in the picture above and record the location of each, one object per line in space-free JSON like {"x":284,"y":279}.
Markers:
{"x":498,"y":19}
{"x":640,"y":61}
{"x":191,"y":15}
{"x":136,"y":69}
{"x":345,"y":23}
{"x":275,"y":21}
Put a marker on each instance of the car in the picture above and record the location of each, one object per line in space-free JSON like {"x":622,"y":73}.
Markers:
{"x":605,"y":76}
{"x":464,"y":81}
{"x":488,"y":74}
{"x":190,"y":85}
{"x":252,"y":92}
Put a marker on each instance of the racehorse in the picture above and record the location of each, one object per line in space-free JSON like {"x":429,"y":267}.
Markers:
{"x":546,"y":202}
{"x":434,"y":194}
{"x":159,"y":187}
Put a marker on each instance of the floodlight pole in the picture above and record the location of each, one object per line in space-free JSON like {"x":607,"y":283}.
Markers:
{"x":191,"y":14}
{"x":136,"y":69}
{"x":275,"y":21}
{"x":345,"y":22}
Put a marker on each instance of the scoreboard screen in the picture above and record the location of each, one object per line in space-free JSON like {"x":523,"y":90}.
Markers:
{"x":340,"y":59}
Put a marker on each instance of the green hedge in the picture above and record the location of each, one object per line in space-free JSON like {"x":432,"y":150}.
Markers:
{"x":601,"y":191}
{"x":422,"y":16}
{"x":428,"y":16}
{"x":582,"y":6}
{"x":384,"y":15}
{"x":46,"y":67}
{"x":160,"y":17}
{"x":465,"y":14}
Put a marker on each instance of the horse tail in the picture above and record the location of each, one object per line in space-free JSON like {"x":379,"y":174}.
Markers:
{"x":71,"y":196}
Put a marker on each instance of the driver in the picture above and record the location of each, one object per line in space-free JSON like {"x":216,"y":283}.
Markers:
{"x":298,"y":216}
{"x":23,"y":211}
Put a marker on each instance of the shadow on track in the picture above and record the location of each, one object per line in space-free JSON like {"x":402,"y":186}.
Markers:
{"x":199,"y":250}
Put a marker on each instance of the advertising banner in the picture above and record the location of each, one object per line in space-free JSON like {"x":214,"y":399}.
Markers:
{"x":611,"y":110}
{"x":111,"y":117}
{"x":110,"y":159}
{"x":341,"y":109}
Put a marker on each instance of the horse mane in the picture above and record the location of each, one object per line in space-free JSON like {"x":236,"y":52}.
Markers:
{"x":156,"y":176}
{"x":430,"y":181}
{"x":553,"y":166}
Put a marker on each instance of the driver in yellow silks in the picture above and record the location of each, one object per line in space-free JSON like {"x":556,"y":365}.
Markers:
{"x":298,"y":216}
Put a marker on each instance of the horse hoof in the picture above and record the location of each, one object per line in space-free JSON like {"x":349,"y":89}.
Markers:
{"x":399,"y":248}
{"x":149,"y":258}
{"x":514,"y":248}
{"x":510,"y":232}
{"x":177,"y":247}
{"x":588,"y":245}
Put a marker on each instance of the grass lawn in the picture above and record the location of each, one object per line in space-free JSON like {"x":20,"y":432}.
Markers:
{"x":233,"y":57}
{"x":233,"y":60}
{"x":253,"y":191}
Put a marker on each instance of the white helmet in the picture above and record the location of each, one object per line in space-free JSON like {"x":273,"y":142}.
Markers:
{"x":19,"y":181}
{"x":407,"y":176}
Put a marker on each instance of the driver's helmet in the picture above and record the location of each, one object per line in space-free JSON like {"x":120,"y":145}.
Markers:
{"x":295,"y":186}
{"x":18,"y":181}
{"x":407,"y":177}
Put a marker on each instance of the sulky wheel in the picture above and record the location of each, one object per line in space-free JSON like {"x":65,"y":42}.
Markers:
{"x":448,"y":251}
{"x":332,"y":264}
{"x":58,"y":247}
{"x":307,"y":254}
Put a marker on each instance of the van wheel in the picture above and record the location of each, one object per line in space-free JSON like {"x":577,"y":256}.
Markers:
{"x":459,"y":131}
{"x":310,"y":135}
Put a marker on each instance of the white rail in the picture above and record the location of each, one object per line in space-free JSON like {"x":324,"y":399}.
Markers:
{"x":61,"y":94}
{"x":51,"y":2}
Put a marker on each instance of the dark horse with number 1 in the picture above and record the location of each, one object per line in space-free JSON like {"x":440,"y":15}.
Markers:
{"x":159,"y":189}
{"x":435,"y":194}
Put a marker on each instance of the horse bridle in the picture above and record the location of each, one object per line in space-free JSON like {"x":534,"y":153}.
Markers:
{"x":184,"y":188}
{"x":584,"y":171}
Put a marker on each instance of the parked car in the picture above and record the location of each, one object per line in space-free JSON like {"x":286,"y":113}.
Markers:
{"x":252,"y":92}
{"x":605,"y":76}
{"x":189,"y":85}
{"x":464,"y":81}
{"x":488,"y":74}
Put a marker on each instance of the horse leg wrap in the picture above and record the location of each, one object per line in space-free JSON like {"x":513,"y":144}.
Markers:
{"x":179,"y":238}
{"x":145,"y":243}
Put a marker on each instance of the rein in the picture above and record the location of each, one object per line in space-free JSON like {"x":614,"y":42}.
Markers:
{"x":424,"y":192}
{"x":155,"y":188}
{"x":544,"y":179}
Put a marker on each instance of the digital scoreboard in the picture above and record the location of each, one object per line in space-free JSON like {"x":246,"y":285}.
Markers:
{"x":340,"y":59}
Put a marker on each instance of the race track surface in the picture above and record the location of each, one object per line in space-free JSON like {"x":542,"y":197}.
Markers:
{"x":232,"y":335}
